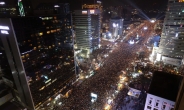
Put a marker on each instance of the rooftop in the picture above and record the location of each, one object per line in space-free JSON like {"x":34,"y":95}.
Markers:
{"x":165,"y":85}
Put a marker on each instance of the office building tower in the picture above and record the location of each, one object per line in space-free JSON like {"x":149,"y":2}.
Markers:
{"x":39,"y":50}
{"x":96,"y":21}
{"x":163,"y":91}
{"x":115,"y":27}
{"x":171,"y":48}
{"x":87,"y":27}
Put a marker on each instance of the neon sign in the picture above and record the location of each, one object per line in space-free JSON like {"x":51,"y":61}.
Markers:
{"x":92,"y":11}
{"x":21,"y":8}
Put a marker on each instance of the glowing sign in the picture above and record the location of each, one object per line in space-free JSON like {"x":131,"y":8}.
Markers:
{"x":84,"y":12}
{"x":99,"y":2}
{"x":92,"y":11}
{"x":4,"y":27}
{"x":4,"y":32}
{"x":21,"y":8}
{"x":2,"y":3}
{"x":91,"y":6}
{"x":56,"y":6}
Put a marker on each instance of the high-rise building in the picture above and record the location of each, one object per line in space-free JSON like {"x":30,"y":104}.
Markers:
{"x":87,"y":27}
{"x":96,"y":20}
{"x":116,"y":27}
{"x":172,"y":37}
{"x":163,"y":91}
{"x":36,"y":57}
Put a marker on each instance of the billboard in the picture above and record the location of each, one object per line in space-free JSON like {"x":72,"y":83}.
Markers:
{"x":172,"y":61}
{"x":84,"y":12}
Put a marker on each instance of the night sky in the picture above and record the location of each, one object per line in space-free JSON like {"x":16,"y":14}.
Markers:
{"x":142,"y":4}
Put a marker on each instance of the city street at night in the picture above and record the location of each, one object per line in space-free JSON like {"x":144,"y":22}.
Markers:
{"x":104,"y":82}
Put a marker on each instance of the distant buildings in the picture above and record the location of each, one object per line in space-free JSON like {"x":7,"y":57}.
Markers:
{"x":163,"y":91}
{"x":87,"y":27}
{"x":171,"y":48}
{"x":36,"y":54}
{"x":116,"y":27}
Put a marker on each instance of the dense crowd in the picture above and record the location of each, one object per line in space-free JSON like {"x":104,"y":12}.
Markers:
{"x":105,"y":78}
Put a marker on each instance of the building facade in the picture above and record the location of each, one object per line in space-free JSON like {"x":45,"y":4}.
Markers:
{"x":116,"y":27}
{"x":157,"y":103}
{"x":39,"y":50}
{"x":82,"y":20}
{"x":172,"y":37}
{"x":87,"y":28}
{"x":163,"y":91}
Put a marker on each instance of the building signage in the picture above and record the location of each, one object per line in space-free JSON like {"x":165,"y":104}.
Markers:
{"x":4,"y":27}
{"x":172,"y":61}
{"x":4,"y":32}
{"x":84,"y":12}
{"x":21,"y":8}
{"x":2,"y":3}
{"x":92,"y":11}
{"x":91,"y":6}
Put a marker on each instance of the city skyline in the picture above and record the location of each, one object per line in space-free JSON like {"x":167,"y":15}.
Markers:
{"x":91,"y":54}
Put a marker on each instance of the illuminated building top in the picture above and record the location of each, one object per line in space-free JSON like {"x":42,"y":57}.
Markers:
{"x":181,"y":0}
{"x":94,"y":6}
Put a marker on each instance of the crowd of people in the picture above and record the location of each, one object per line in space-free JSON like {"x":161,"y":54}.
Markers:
{"x":106,"y":76}
{"x":102,"y":82}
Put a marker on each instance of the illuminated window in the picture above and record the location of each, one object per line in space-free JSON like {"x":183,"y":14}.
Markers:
{"x":59,"y":43}
{"x":50,"y":47}
{"x":41,"y":33}
{"x":48,"y":32}
{"x":47,"y":27}
{"x":84,"y":12}
{"x":53,"y":45}
{"x":34,"y":48}
{"x":27,"y":55}
{"x":30,"y":45}
{"x":23,"y":57}
{"x":92,"y":11}
{"x":181,"y":0}
{"x":39,"y":46}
